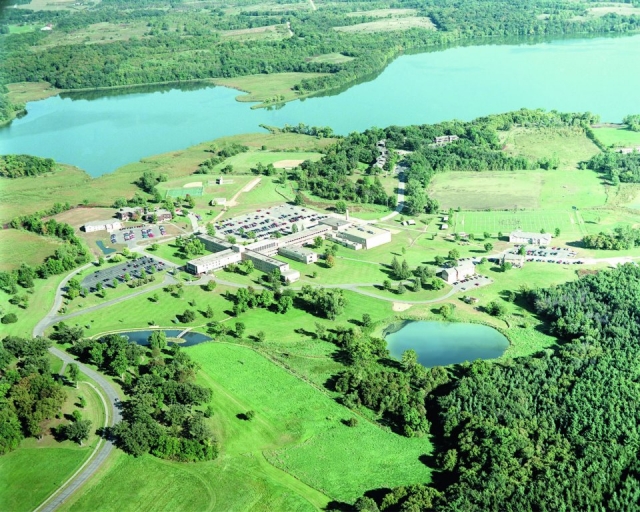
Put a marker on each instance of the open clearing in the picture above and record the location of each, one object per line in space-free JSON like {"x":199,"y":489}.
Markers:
{"x":267,"y":33}
{"x":104,"y":32}
{"x":384,"y":13}
{"x":388,"y":25}
{"x":617,"y":8}
{"x":331,"y":58}
{"x":569,"y":146}
{"x":56,"y":5}
{"x":17,"y":246}
{"x":21,"y":92}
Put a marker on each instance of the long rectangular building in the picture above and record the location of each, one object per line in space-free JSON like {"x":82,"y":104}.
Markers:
{"x":522,"y":237}
{"x":368,"y":236}
{"x":299,"y":254}
{"x":213,"y":261}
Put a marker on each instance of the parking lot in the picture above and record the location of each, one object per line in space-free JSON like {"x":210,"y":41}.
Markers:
{"x":265,"y":222}
{"x":118,"y":272}
{"x":141,"y":232}
{"x":550,"y":254}
{"x":471,"y":283}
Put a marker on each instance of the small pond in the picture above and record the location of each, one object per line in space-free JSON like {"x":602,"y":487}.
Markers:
{"x":105,"y":250}
{"x":189,"y":339}
{"x":445,"y":343}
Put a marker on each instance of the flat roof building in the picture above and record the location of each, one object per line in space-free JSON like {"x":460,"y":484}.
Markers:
{"x":522,"y":237}
{"x":517,"y":260}
{"x":336,"y":224}
{"x":102,"y":225}
{"x":290,"y":276}
{"x":213,"y":261}
{"x":299,"y":254}
{"x":367,"y":235}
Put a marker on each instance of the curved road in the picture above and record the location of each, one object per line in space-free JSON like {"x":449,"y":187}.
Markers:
{"x":101,"y":453}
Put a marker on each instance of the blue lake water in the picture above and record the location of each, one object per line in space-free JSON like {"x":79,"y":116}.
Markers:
{"x":445,"y":343}
{"x":100,"y":131}
{"x":190,"y":338}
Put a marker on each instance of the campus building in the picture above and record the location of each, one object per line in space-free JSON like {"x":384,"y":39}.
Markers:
{"x":522,"y":237}
{"x":516,"y":260}
{"x":299,"y":254}
{"x":459,"y":272}
{"x":127,"y":213}
{"x":161,"y":214}
{"x":283,"y":230}
{"x":102,"y":225}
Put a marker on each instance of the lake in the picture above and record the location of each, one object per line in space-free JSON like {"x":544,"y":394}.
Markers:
{"x":101,"y":131}
{"x":445,"y":343}
{"x":189,"y":339}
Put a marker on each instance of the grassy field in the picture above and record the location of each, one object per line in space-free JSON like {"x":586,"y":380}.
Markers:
{"x":311,"y":456}
{"x":384,"y":13}
{"x":617,"y":137}
{"x":267,"y":33}
{"x":33,"y":249}
{"x":534,"y":221}
{"x":38,"y":467}
{"x":266,"y":88}
{"x":389,"y":24}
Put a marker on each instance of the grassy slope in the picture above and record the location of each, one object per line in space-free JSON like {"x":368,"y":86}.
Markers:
{"x":18,"y":247}
{"x":617,"y":137}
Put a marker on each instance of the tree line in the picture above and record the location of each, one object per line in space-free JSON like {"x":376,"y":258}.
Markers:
{"x":557,"y":430}
{"x":18,"y":166}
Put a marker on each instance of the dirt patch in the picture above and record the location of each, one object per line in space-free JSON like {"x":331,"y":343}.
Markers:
{"x":287,"y":164}
{"x":193,"y":184}
{"x":389,"y":24}
{"x":78,"y":217}
{"x":401,"y":306}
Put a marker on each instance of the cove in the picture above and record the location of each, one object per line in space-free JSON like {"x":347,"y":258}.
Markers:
{"x":189,"y":339}
{"x":445,"y":343}
{"x":101,"y":131}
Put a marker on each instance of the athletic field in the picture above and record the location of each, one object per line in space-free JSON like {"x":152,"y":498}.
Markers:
{"x":506,"y":221}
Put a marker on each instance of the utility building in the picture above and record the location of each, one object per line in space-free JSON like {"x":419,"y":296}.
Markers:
{"x":522,"y":237}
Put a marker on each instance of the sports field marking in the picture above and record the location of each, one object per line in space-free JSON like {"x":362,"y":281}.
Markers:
{"x":193,"y":184}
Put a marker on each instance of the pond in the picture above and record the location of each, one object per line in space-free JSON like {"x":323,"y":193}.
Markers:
{"x":189,"y":339}
{"x":102,"y":130}
{"x":445,"y":343}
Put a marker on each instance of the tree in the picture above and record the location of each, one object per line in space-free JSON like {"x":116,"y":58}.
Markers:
{"x":506,"y":265}
{"x":330,"y":261}
{"x":556,"y":232}
{"x":211,"y":230}
{"x":367,"y":322}
{"x":437,"y":284}
{"x":352,"y":422}
{"x":386,"y":284}
{"x":446,"y":310}
{"x":187,"y":316}
{"x":401,"y":289}
{"x":208,"y":312}
{"x":240,"y":328}
{"x":284,"y":304}
{"x":486,"y":235}
{"x":158,"y":339}
{"x":439,"y":261}
{"x":78,"y":431}
{"x":341,"y":207}
{"x":495,"y":308}
{"x":248,"y":267}
{"x":454,"y":255}
{"x":9,"y":318}
{"x":249,"y":415}
{"x":522,"y":251}
{"x":154,"y":247}
{"x":260,"y":336}
{"x":488,"y":247}
{"x":74,"y":373}
{"x":299,"y":199}
{"x":317,"y":242}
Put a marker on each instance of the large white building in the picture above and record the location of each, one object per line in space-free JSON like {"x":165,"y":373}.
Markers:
{"x":367,"y":235}
{"x":102,"y":225}
{"x":522,"y":237}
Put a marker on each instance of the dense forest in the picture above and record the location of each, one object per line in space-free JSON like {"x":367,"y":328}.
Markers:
{"x":183,"y":42}
{"x":558,"y":430}
{"x":477,"y":149}
{"x":617,"y":167}
{"x":163,"y":414}
{"x":18,"y":166}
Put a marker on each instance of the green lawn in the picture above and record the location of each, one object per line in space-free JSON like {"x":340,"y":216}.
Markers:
{"x":331,"y":58}
{"x":244,"y":162}
{"x":505,"y":222}
{"x":617,"y":137}
{"x":29,"y":475}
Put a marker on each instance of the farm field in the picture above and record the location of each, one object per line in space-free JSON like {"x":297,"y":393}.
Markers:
{"x":332,"y":58}
{"x":17,"y":246}
{"x":267,"y":33}
{"x":617,"y":137}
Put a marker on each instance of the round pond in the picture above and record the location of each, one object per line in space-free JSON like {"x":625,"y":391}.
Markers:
{"x":445,"y":343}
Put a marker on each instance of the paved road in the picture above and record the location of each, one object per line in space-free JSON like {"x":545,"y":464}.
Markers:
{"x":400,"y":206}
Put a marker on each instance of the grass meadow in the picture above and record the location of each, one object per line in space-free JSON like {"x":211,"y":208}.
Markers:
{"x":501,"y":221}
{"x":617,"y":137}
{"x":17,"y":246}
